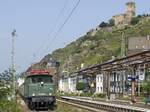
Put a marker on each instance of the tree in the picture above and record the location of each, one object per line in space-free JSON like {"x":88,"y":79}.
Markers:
{"x":6,"y":77}
{"x":103,"y":24}
{"x":134,"y":21}
{"x":146,"y":87}
{"x":139,"y":16}
{"x":80,"y":86}
{"x":5,"y":83}
{"x":5,"y":91}
{"x":111,"y":22}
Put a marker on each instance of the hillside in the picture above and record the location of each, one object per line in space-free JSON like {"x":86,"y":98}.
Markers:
{"x":97,"y":46}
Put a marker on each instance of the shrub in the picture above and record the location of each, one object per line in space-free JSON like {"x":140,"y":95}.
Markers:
{"x":87,"y":94}
{"x":9,"y":106}
{"x":100,"y":95}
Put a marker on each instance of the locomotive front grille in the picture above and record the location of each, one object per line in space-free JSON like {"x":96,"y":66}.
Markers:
{"x":43,"y":99}
{"x":42,"y":105}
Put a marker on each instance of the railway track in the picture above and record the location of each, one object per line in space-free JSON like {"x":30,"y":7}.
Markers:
{"x":24,"y":107}
{"x":81,"y":106}
{"x":105,"y":105}
{"x":88,"y":104}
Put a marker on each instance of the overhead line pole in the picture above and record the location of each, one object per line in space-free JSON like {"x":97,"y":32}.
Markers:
{"x":13,"y":65}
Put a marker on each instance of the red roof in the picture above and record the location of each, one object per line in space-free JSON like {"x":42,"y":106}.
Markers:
{"x":38,"y":72}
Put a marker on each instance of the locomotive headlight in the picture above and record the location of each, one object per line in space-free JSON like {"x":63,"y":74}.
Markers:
{"x":50,"y":94}
{"x":33,"y":94}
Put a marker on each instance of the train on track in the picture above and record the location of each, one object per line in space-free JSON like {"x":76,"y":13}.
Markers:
{"x":38,"y":90}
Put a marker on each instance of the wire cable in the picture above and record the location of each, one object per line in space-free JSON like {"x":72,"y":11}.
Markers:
{"x":54,"y":26}
{"x":61,"y":27}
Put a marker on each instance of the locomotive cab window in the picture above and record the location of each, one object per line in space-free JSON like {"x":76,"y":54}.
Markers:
{"x":41,"y":78}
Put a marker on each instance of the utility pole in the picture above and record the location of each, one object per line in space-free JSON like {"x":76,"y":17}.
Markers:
{"x":57,"y":74}
{"x":13,"y":34}
{"x":123,"y":45}
{"x":108,"y":85}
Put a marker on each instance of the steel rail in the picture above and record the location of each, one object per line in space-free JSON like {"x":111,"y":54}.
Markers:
{"x":105,"y":105}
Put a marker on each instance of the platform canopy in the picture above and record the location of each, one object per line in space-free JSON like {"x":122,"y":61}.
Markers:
{"x":142,"y":59}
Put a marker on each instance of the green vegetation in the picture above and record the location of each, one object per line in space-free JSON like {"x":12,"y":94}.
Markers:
{"x":105,"y":24}
{"x":98,"y":48}
{"x":9,"y":106}
{"x":5,"y":84}
{"x":146,"y":87}
{"x":87,"y":94}
{"x":135,"y":20}
{"x":62,"y":107}
{"x":100,"y":95}
{"x":80,"y":86}
{"x":5,"y":93}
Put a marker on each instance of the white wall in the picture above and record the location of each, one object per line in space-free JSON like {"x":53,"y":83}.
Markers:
{"x":68,"y":85}
{"x":60,"y":85}
{"x":72,"y":84}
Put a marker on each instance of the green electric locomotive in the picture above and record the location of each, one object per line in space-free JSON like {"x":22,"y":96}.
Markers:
{"x":38,"y":90}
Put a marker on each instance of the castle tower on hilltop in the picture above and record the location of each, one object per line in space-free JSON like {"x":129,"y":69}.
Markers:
{"x":130,"y":8}
{"x":125,"y":18}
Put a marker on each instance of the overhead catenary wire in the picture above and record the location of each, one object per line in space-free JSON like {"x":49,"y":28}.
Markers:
{"x":62,"y":26}
{"x":54,"y":25}
{"x":59,"y":15}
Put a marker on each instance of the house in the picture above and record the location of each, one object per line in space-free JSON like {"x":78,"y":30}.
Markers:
{"x":68,"y":83}
{"x":65,"y":85}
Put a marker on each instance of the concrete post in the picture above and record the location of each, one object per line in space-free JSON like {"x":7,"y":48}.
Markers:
{"x":108,"y":85}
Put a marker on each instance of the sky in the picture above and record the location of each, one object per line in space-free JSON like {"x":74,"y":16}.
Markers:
{"x":37,"y":21}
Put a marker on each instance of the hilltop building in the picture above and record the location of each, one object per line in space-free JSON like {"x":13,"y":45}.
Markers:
{"x":125,"y":19}
{"x":138,"y":44}
{"x":118,"y":20}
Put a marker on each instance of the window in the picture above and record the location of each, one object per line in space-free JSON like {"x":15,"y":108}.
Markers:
{"x":41,"y":78}
{"x":101,"y":79}
{"x":97,"y":79}
{"x":101,"y":88}
{"x":97,"y":88}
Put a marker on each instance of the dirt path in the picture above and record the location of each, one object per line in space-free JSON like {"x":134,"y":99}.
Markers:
{"x":24,"y":108}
